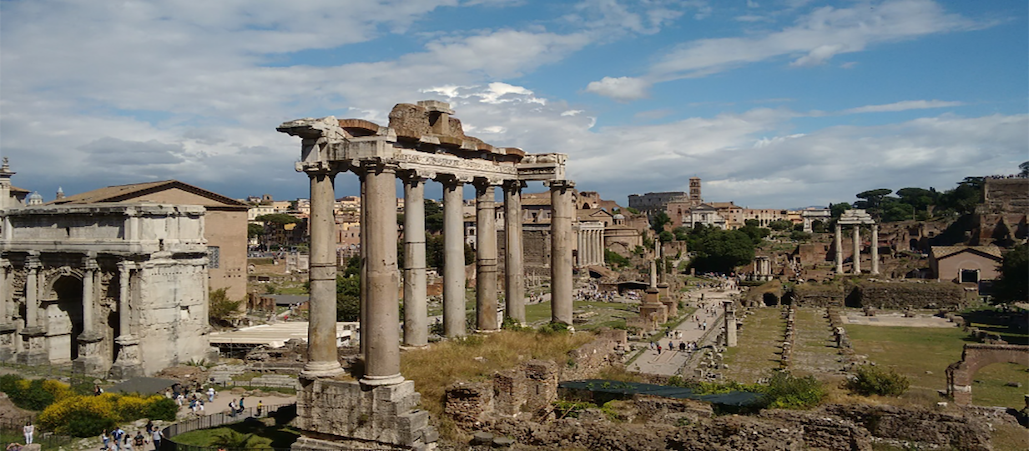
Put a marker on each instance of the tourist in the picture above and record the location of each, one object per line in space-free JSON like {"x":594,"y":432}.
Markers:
{"x":682,"y":346}
{"x":210,"y":394}
{"x":139,"y":440}
{"x":670,"y":347}
{"x":28,"y":430}
{"x":117,"y":437}
{"x":260,"y":407}
{"x":149,"y":426}
{"x":156,"y":438}
{"x":97,"y":391}
{"x":232,"y":407}
{"x":241,"y":398}
{"x":658,"y":349}
{"x":106,"y":439}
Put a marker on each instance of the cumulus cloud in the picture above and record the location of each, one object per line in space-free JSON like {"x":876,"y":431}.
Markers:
{"x":620,"y":88}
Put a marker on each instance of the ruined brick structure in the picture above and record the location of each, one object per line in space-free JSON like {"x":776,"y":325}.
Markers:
{"x":974,"y":357}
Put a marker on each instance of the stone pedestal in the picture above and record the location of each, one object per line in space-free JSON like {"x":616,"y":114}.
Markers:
{"x":730,"y":324}
{"x":380,"y":417}
{"x":8,"y":346}
{"x":35,"y":347}
{"x":670,"y":303}
{"x":128,"y":364}
{"x":90,"y":362}
{"x":652,"y":308}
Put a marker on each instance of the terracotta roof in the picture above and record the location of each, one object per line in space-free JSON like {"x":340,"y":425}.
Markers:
{"x":722,"y":204}
{"x":138,"y":191}
{"x":940,"y":252}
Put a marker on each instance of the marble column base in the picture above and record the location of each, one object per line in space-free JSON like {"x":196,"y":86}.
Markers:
{"x":90,"y":362}
{"x":8,"y":342}
{"x":35,"y":347}
{"x":341,"y":415}
{"x":128,"y":364}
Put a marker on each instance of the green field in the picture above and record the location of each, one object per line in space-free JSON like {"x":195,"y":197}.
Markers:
{"x":758,"y":351}
{"x":923,"y":354}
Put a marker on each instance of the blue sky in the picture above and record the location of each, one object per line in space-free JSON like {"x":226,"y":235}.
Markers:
{"x":773,"y":103}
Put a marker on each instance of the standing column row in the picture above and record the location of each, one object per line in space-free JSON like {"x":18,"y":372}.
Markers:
{"x":485,"y":257}
{"x":322,"y":356}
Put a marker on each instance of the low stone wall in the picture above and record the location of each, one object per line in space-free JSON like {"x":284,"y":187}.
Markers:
{"x":815,"y":295}
{"x":918,"y":425}
{"x":901,"y":295}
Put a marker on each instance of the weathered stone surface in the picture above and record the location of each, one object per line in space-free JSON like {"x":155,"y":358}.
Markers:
{"x":467,"y":403}
{"x":917,"y":424}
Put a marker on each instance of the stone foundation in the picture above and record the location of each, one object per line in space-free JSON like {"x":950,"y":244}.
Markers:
{"x":383,"y":417}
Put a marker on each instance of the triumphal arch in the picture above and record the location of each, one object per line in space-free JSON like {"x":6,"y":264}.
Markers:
{"x":116,"y":289}
{"x":422,"y":143}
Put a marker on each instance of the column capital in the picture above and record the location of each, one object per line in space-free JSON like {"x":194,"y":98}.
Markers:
{"x":89,"y":263}
{"x":376,"y":164}
{"x":485,"y":182}
{"x":126,"y":265}
{"x":514,"y":185}
{"x":314,"y":168}
{"x":32,"y":261}
{"x":452,"y":179}
{"x":5,"y":263}
{"x":415,"y":175}
{"x":559,"y":184}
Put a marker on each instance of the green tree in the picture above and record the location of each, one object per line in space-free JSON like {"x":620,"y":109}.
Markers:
{"x":837,"y":209}
{"x":897,"y":211}
{"x":1013,"y":285}
{"x":658,"y":221}
{"x":681,"y":233}
{"x":723,"y":250}
{"x":615,"y":259}
{"x":279,"y":218}
{"x":348,"y":297}
{"x":780,"y":225}
{"x":872,"y":199}
{"x":799,"y":235}
{"x":1023,"y":169}
{"x":222,"y":311}
{"x":665,"y":236}
{"x":254,"y":230}
{"x":433,"y":216}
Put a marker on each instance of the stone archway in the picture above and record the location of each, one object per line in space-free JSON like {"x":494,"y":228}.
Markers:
{"x":770,"y":299}
{"x":64,"y":320}
{"x":974,"y":357}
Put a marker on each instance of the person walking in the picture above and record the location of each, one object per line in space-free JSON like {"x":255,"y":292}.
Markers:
{"x":260,"y":407}
{"x":139,"y":440}
{"x":210,"y":394}
{"x":106,"y":439}
{"x":156,"y":438}
{"x":28,"y":430}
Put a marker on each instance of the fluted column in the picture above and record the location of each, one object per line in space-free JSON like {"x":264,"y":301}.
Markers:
{"x":485,"y":257}
{"x":875,"y":249}
{"x":363,"y":257}
{"x":416,"y":327}
{"x":382,"y":362}
{"x":453,"y":259}
{"x":5,"y":312}
{"x":514,"y":277}
{"x":32,"y":292}
{"x":857,"y":249}
{"x":561,"y":251}
{"x":322,"y":356}
{"x":88,"y":295}
{"x":124,"y":295}
{"x":839,"y":248}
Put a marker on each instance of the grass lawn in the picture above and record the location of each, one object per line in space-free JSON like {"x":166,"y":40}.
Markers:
{"x":923,"y":354}
{"x":758,"y":351}
{"x":282,"y":435}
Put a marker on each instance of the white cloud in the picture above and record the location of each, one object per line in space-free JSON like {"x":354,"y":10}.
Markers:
{"x":572,"y":113}
{"x":816,"y":37}
{"x":903,"y":106}
{"x":620,"y":88}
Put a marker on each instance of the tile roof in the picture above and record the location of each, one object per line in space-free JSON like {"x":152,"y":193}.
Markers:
{"x":136,"y":192}
{"x":946,"y":251}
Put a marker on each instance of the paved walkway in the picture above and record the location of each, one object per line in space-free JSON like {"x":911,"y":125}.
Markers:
{"x":668,"y":363}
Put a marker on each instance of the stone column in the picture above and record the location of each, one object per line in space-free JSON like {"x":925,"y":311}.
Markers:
{"x":730,"y":324}
{"x":561,"y":250}
{"x":128,"y":363}
{"x":32,"y":292}
{"x":90,"y":361}
{"x":485,"y":257}
{"x":382,"y":361}
{"x":857,"y":249}
{"x":7,"y":326}
{"x":514,"y":277}
{"x":416,"y":320}
{"x":875,"y":249}
{"x":363,"y":256}
{"x":33,"y":335}
{"x":322,"y":357}
{"x":453,"y":259}
{"x":839,"y":248}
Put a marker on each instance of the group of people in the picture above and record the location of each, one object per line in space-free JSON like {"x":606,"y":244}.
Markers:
{"x":119,"y":440}
{"x":684,"y":346}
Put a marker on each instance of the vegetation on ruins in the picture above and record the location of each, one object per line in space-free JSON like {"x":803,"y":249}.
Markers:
{"x":718,"y":250}
{"x":278,"y":219}
{"x":1013,"y":285}
{"x":222,"y":310}
{"x":913,"y":203}
{"x":87,"y":415}
{"x":348,"y":291}
{"x":782,"y":391}
{"x":615,"y":260}
{"x":871,"y":380}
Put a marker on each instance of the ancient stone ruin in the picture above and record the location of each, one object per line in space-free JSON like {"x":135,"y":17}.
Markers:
{"x":422,"y":142}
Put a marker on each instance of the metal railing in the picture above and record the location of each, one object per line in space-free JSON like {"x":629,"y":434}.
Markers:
{"x":213,"y":421}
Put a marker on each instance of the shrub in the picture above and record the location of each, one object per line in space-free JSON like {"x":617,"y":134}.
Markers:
{"x":873,"y":380}
{"x":86,"y":416}
{"x":553,"y":328}
{"x":786,"y":391}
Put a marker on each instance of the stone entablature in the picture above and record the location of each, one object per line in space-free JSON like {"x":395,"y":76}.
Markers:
{"x":856,"y":218}
{"x":114,"y":289}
